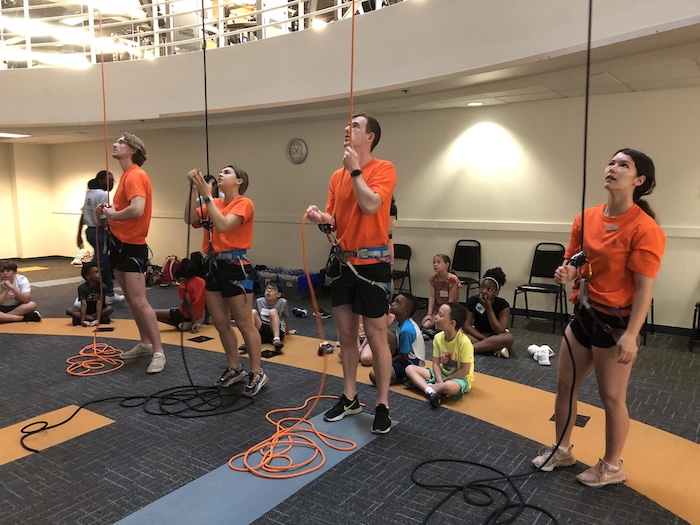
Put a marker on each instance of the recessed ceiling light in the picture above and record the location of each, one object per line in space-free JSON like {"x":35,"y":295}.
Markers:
{"x":13,"y":136}
{"x":474,"y":104}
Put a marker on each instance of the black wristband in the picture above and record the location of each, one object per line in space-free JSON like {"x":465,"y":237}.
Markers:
{"x":206,"y":200}
{"x":355,"y":173}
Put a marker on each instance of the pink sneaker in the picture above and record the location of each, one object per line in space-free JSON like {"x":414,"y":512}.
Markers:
{"x":559,"y":459}
{"x":602,"y":474}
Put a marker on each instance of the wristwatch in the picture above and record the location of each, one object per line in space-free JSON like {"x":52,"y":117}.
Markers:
{"x":355,"y":173}
{"x":206,"y":200}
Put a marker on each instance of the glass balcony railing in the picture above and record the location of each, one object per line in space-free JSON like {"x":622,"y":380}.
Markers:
{"x":54,"y":33}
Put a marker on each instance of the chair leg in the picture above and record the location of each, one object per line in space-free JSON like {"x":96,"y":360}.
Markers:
{"x":512,"y":310}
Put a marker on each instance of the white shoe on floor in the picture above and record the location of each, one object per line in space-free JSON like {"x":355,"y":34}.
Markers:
{"x":116,"y":298}
{"x":542,"y":357}
{"x":157,"y":364}
{"x":533,"y":349}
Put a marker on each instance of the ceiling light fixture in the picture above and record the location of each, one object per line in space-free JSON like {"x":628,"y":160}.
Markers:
{"x":474,"y":104}
{"x":13,"y":135}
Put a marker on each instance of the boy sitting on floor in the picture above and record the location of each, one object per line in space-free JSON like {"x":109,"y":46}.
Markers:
{"x":192,"y":297}
{"x":92,"y":295}
{"x":453,"y":358}
{"x":407,"y":345}
{"x":15,"y":296}
{"x":271,"y":317}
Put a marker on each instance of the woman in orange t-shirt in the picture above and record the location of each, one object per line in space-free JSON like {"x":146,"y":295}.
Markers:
{"x":231,"y":236}
{"x":613,"y":285}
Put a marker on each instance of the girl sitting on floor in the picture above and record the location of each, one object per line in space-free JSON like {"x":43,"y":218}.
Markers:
{"x":487,"y":317}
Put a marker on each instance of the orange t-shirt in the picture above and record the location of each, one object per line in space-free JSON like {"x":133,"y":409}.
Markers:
{"x":134,"y":183}
{"x":617,"y":248}
{"x":354,"y":229}
{"x":240,"y":237}
{"x":192,"y":289}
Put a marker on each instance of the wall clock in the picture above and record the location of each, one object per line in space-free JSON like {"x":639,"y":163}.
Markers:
{"x":297,"y":151}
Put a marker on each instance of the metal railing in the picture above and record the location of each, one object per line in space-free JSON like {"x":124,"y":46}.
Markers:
{"x":54,"y":33}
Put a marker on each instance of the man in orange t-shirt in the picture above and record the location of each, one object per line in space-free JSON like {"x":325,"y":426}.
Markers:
{"x":129,"y":218}
{"x":359,"y":200}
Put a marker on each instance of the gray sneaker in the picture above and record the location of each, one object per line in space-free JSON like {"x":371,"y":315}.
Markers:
{"x":232,"y":376}
{"x":157,"y":364}
{"x":140,"y":350}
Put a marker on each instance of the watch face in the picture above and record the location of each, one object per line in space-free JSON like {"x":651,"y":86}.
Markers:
{"x":297,"y":151}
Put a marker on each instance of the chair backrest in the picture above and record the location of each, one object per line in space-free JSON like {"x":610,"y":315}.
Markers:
{"x":402,"y":251}
{"x":548,"y":257}
{"x":467,"y":257}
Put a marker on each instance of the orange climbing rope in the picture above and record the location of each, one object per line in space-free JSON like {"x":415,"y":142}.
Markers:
{"x":97,"y":358}
{"x":273,"y":457}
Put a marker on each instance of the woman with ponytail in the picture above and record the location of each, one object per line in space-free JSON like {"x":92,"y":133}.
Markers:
{"x":613,"y":257}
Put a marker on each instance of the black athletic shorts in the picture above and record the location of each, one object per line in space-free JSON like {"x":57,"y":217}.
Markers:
{"x":368,"y":300}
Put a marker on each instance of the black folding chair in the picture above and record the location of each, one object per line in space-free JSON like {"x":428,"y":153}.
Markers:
{"x":548,"y":257}
{"x":402,"y":267}
{"x":467,"y":259}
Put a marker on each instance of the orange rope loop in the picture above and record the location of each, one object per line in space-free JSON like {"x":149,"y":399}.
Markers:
{"x":95,"y":359}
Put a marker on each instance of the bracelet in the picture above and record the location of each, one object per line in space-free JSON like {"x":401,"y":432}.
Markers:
{"x":206,"y":200}
{"x":355,"y":173}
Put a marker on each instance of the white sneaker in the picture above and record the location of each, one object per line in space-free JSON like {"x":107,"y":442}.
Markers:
{"x":542,"y":357}
{"x":140,"y":350}
{"x":533,"y":349}
{"x":157,"y":364}
{"x":116,"y":298}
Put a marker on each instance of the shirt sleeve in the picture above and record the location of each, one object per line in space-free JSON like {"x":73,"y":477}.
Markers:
{"x":406,"y":339}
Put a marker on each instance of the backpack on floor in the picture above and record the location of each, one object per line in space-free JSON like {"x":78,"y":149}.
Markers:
{"x":167,"y":272}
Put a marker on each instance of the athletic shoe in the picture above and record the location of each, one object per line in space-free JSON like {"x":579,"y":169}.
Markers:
{"x":602,"y":474}
{"x":325,"y":348}
{"x":116,"y":298}
{"x":542,"y":357}
{"x":300,"y":312}
{"x":344,"y":407}
{"x":382,"y":422}
{"x":503,"y":352}
{"x":408,"y":383}
{"x":157,"y":364}
{"x":436,"y":399}
{"x":429,"y":332}
{"x":76,"y":322}
{"x":255,"y":382}
{"x":231,"y":376}
{"x":533,"y":349}
{"x":322,"y":314}
{"x":243,"y":349}
{"x":184,"y":326}
{"x":140,"y":350}
{"x":34,"y":317}
{"x":279,"y":345}
{"x":558,"y":459}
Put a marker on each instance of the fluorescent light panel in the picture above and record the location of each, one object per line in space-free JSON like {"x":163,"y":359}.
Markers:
{"x":13,"y":135}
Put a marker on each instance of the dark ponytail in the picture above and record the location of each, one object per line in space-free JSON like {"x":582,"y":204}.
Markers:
{"x":645,"y":166}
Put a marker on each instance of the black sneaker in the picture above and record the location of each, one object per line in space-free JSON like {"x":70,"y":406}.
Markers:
{"x":34,"y":316}
{"x":76,"y":322}
{"x":300,"y":312}
{"x":322,"y":314}
{"x":344,"y":407}
{"x":279,"y":345}
{"x":436,"y":399}
{"x":382,"y":422}
{"x":243,"y":349}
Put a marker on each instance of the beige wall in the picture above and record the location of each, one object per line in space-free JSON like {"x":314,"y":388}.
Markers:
{"x":509,"y":176}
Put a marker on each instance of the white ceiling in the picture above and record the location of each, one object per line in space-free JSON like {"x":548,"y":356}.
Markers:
{"x":664,"y":61}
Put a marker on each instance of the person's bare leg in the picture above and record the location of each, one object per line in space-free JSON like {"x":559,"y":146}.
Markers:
{"x":347,"y":325}
{"x":376,"y":330}
{"x":241,"y":306}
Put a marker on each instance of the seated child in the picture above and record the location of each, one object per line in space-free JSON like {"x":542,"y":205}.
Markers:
{"x":15,"y":296}
{"x":487,"y":317}
{"x":271,"y":317}
{"x":453,"y":358}
{"x":407,"y":345}
{"x":92,"y":297}
{"x":192,"y":299}
{"x":444,"y":288}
